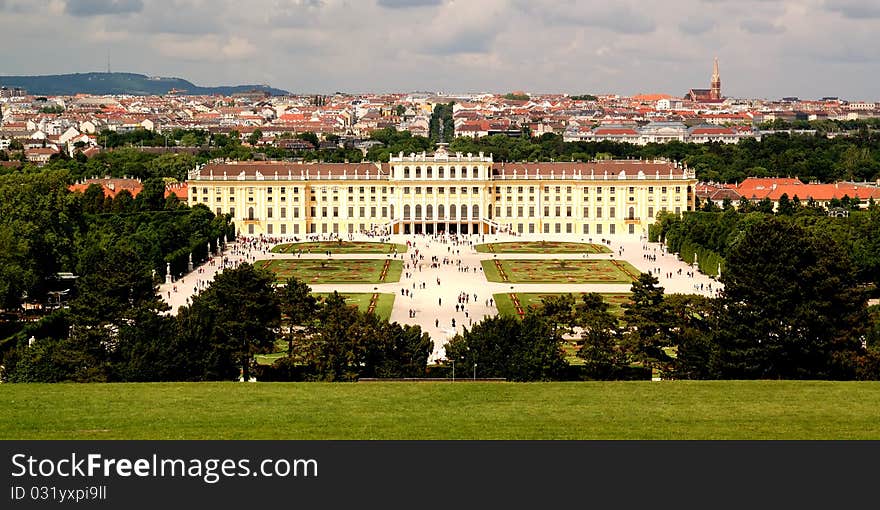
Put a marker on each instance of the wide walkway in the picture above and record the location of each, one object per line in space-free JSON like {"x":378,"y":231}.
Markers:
{"x":427,"y":296}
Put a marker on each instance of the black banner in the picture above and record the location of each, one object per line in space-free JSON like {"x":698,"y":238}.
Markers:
{"x":431,"y":474}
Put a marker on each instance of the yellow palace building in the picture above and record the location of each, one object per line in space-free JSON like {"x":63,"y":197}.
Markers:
{"x":444,"y":192}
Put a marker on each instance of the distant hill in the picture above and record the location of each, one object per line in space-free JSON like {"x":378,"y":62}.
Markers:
{"x":118,"y":84}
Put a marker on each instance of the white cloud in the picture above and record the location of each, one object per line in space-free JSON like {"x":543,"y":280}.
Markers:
{"x":854,"y":9}
{"x":87,"y":8}
{"x":767,"y":48}
{"x":759,"y":26}
{"x":203,"y":48}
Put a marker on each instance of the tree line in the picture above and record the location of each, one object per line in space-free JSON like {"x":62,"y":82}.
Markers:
{"x":816,"y":157}
{"x":711,"y":233}
{"x":115,"y":331}
{"x":45,"y":229}
{"x":793,"y":307}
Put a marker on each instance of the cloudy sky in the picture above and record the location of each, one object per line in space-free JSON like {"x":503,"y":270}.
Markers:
{"x":767,"y":48}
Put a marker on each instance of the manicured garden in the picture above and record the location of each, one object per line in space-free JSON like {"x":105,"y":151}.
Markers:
{"x":381,"y":306}
{"x":560,"y":271}
{"x":321,"y":247}
{"x":541,"y":247}
{"x":313,"y":271}
{"x":444,"y":410}
{"x":517,"y":304}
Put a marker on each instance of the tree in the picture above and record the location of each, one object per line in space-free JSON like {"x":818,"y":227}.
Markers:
{"x":245,"y":314}
{"x":115,"y":294}
{"x":785,"y":206}
{"x":38,"y":220}
{"x":648,"y":324}
{"x":333,"y":353}
{"x":175,"y":166}
{"x":147,"y":349}
{"x":114,"y":286}
{"x":189,"y":140}
{"x":765,"y":206}
{"x":518,"y":350}
{"x":344,"y":344}
{"x":559,"y":311}
{"x":152,"y":195}
{"x":124,"y":202}
{"x":310,"y":137}
{"x":395,"y":351}
{"x":255,"y":137}
{"x":93,"y":199}
{"x":601,"y":350}
{"x":792,"y":305}
{"x":694,"y":320}
{"x":298,"y":308}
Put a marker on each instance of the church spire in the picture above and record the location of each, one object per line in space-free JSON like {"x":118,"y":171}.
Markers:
{"x":715,"y":92}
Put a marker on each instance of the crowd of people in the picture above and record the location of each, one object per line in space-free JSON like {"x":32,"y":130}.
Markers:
{"x":428,"y":258}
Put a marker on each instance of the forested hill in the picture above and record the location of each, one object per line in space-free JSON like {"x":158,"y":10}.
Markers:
{"x":119,"y":83}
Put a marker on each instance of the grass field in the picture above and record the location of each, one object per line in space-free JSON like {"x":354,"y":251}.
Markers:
{"x":337,"y":247}
{"x":533,"y":300}
{"x":592,"y":410}
{"x":334,"y":271}
{"x":541,"y":247}
{"x":362,"y":300}
{"x":553,"y":271}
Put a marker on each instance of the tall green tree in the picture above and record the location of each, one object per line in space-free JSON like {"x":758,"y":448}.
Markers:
{"x":245,"y":313}
{"x":518,"y":350}
{"x":152,"y":195}
{"x":93,"y":199}
{"x":298,"y":310}
{"x":255,"y":137}
{"x":604,"y":358}
{"x":785,"y":207}
{"x":793,"y":308}
{"x":648,"y":324}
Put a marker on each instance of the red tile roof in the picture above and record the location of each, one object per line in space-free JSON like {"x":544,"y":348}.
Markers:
{"x":598,"y":169}
{"x":311,"y":170}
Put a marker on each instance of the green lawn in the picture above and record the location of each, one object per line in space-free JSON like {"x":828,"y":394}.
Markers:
{"x":340,"y":247}
{"x":362,"y":300}
{"x":590,"y":410}
{"x":533,"y":300}
{"x":335,"y":270}
{"x":541,"y":247}
{"x":553,"y":271}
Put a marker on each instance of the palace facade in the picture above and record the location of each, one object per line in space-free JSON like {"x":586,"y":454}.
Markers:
{"x":444,"y":192}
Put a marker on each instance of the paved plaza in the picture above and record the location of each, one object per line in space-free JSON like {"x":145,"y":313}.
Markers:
{"x":439,"y":271}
